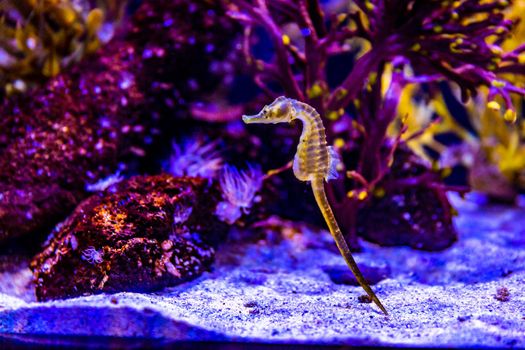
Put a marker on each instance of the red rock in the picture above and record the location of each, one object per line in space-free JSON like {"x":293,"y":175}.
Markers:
{"x":141,"y":234}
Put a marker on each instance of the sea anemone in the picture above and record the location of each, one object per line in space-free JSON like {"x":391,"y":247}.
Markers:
{"x":92,"y":256}
{"x":195,"y":158}
{"x":239,"y":189}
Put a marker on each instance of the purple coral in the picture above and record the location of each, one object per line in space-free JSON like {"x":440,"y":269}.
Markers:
{"x":455,"y":40}
{"x":407,"y":42}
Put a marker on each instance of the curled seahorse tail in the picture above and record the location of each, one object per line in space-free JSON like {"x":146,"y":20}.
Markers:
{"x":322,"y":202}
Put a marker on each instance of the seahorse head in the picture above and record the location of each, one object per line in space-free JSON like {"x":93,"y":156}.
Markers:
{"x":279,"y":111}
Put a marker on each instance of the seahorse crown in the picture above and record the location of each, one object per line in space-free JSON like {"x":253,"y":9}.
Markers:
{"x":281,"y":110}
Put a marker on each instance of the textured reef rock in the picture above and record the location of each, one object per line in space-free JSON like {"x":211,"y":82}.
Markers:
{"x":414,"y":211}
{"x":95,"y":118}
{"x":140,"y":234}
{"x":64,"y":136}
{"x":415,"y":218}
{"x":282,"y":291}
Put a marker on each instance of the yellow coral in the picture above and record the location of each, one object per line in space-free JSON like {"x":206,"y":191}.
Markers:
{"x":38,"y":38}
{"x":499,"y":140}
{"x":497,"y":148}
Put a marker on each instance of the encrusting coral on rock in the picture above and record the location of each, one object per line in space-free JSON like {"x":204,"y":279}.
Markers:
{"x":140,"y":234}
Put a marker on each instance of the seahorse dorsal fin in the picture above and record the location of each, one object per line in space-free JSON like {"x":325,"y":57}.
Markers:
{"x":335,"y":160}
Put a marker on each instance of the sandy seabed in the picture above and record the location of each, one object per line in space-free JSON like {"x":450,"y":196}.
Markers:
{"x":296,"y":291}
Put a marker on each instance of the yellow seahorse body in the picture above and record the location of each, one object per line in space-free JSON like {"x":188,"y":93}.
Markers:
{"x":316,"y":162}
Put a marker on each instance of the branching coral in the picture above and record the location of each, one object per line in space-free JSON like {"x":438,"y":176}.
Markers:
{"x":490,"y":147}
{"x":491,"y":137}
{"x":403,"y":42}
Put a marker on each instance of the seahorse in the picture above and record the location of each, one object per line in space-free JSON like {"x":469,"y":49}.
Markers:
{"x":315,"y":162}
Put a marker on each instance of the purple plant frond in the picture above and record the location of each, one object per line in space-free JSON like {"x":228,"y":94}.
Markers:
{"x":461,"y":42}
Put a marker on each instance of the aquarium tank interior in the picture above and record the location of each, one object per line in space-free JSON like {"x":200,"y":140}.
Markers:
{"x":253,"y":174}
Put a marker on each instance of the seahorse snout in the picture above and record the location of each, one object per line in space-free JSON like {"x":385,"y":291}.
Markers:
{"x":251,"y":118}
{"x":260,"y":118}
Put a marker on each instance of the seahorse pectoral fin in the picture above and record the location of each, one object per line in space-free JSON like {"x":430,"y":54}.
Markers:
{"x":335,"y":160}
{"x":324,"y":206}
